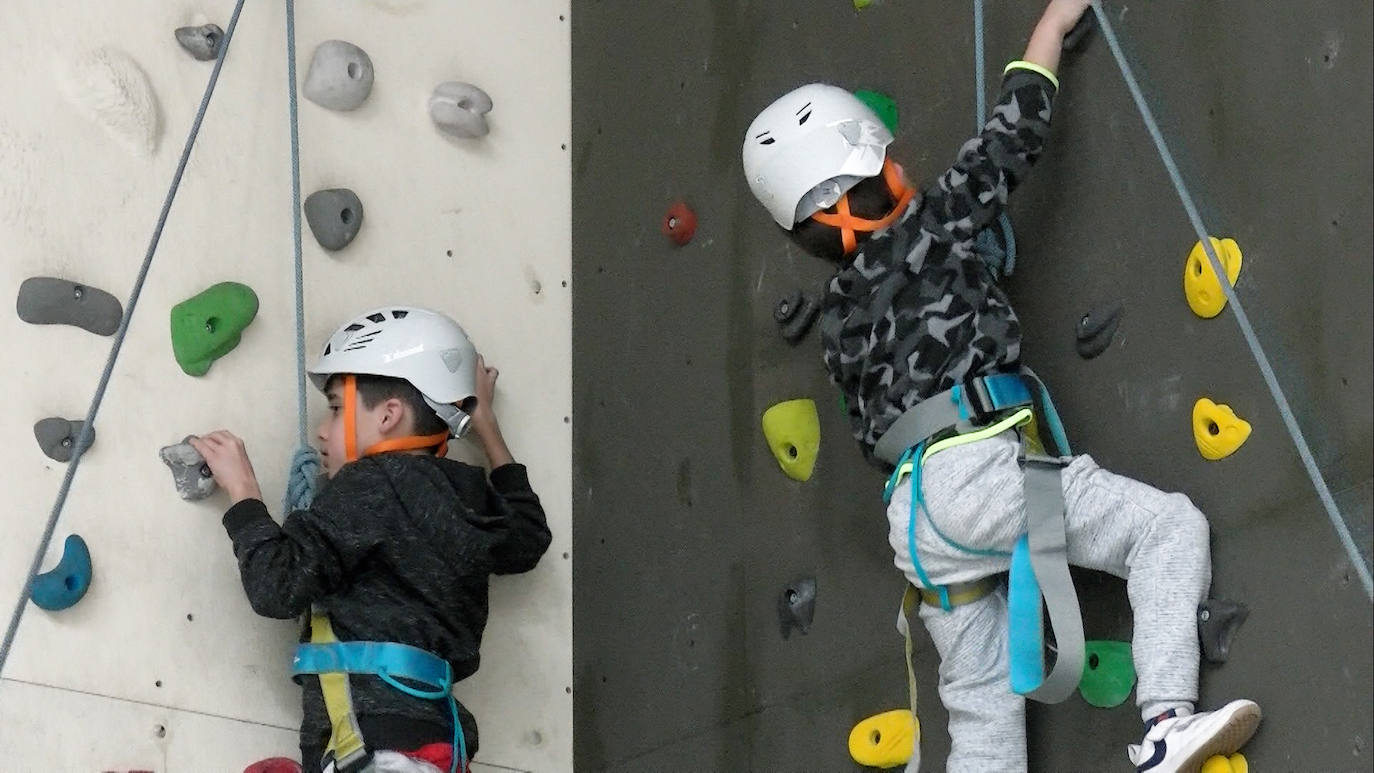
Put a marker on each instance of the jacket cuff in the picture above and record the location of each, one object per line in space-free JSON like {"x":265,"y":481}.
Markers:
{"x":1032,"y":67}
{"x":244,"y":514}
{"x":510,"y":477}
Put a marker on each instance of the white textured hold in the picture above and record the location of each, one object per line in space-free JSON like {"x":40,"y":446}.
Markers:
{"x":108,"y":87}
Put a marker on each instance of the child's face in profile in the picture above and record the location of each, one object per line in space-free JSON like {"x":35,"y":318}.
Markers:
{"x":373,"y":425}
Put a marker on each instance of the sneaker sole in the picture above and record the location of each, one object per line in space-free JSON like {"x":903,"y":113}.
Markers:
{"x":1239,"y":728}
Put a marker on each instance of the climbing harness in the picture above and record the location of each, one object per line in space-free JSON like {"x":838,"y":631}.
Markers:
{"x":849,"y":224}
{"x":1266,"y":370}
{"x":88,"y":427}
{"x":982,"y":408}
{"x":396,"y":664}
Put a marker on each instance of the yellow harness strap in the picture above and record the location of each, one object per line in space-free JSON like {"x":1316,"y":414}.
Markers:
{"x":346,"y":740}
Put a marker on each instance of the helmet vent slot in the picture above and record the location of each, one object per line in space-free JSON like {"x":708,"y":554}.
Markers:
{"x":378,"y":318}
{"x":353,"y":328}
{"x":399,"y":313}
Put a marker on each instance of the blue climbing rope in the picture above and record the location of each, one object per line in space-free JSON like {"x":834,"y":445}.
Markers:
{"x":305,"y":463}
{"x":88,"y":426}
{"x":1266,"y":370}
{"x":1001,"y":258}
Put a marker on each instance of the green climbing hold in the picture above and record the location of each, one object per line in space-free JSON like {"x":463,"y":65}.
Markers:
{"x":207,"y":326}
{"x":883,"y":105}
{"x":1108,"y":675}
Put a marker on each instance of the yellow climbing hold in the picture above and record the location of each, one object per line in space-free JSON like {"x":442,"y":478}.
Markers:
{"x":1200,"y":283}
{"x":1218,"y":764}
{"x":885,"y":740}
{"x":1217,"y":429}
{"x":793,"y":432}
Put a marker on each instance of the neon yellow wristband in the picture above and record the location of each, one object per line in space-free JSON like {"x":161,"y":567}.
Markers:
{"x":1033,"y":67}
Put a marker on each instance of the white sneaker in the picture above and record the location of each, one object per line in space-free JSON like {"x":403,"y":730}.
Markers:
{"x":1181,"y":743}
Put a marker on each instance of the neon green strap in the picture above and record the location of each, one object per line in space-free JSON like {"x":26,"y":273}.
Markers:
{"x":1033,"y":67}
{"x":1017,"y":419}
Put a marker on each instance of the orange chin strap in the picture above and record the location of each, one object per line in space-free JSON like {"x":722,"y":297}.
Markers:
{"x":849,"y":224}
{"x":437,"y":441}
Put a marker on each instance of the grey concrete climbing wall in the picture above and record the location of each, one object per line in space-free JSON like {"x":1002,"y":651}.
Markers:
{"x":686,"y":529}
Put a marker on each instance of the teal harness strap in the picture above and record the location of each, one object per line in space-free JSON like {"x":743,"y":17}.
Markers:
{"x":391,"y":663}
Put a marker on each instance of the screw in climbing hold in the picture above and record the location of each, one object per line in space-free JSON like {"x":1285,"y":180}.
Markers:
{"x":50,"y":301}
{"x":335,"y":215}
{"x":208,"y":325}
{"x":460,"y":109}
{"x":67,"y":582}
{"x":201,"y":42}
{"x":797,"y":606}
{"x":1096,"y":328}
{"x":1217,"y":430}
{"x":340,"y":76}
{"x":795,"y":314}
{"x":57,"y":437}
{"x":679,"y":224}
{"x":793,"y":432}
{"x":190,"y":474}
{"x":1218,"y":622}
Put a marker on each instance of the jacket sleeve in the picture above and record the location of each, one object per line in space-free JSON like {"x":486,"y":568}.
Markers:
{"x":286,"y":568}
{"x":971,"y":194}
{"x":527,"y":529}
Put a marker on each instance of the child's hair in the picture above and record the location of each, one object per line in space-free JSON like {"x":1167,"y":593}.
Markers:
{"x":373,"y":390}
{"x":870,"y":198}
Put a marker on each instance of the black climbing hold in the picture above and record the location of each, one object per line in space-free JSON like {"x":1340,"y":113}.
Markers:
{"x":1096,"y":328}
{"x":1218,"y":620}
{"x":48,"y":301}
{"x":795,"y":314}
{"x":334,"y":215}
{"x":201,"y":42}
{"x":1077,"y":38}
{"x":797,"y":606}
{"x":57,"y":437}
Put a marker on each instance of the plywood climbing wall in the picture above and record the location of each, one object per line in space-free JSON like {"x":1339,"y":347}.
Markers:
{"x":162,"y":666}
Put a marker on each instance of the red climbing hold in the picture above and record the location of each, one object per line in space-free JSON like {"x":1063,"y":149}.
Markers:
{"x":679,"y":224}
{"x":274,"y":765}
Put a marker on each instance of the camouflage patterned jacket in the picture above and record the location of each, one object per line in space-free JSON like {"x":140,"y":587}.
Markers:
{"x":917,"y":311}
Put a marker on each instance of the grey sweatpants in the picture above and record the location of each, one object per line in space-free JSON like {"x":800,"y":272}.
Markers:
{"x":1156,"y":541}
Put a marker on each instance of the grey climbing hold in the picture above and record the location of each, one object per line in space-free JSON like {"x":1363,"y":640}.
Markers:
{"x":48,"y":301}
{"x":340,"y":76}
{"x":795,"y":314}
{"x":797,"y":606}
{"x":1074,"y":41}
{"x":202,"y":42}
{"x":334,"y":215}
{"x":1096,"y":328}
{"x":191,"y":475}
{"x":1218,"y":620}
{"x":460,"y":109}
{"x":58,"y":437}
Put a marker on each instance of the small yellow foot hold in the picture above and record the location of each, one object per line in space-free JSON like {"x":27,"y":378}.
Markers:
{"x":1234,"y":764}
{"x":885,"y":740}
{"x":793,"y":432}
{"x":1200,"y":284}
{"x":1217,"y":429}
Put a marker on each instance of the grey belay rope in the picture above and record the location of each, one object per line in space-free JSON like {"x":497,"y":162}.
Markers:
{"x":305,"y":464}
{"x":87,"y":427}
{"x":1266,"y":370}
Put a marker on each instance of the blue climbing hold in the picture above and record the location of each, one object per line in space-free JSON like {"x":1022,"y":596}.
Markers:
{"x":68,"y":581}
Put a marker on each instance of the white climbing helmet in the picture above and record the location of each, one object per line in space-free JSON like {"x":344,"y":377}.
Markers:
{"x":807,"y":149}
{"x":421,"y":346}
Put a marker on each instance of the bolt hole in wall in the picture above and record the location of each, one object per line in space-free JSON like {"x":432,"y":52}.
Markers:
{"x":346,"y":216}
{"x":160,"y":731}
{"x":353,"y":71}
